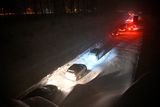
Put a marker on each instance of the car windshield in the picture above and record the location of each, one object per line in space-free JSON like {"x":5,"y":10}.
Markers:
{"x":76,"y":68}
{"x":71,"y":71}
{"x":95,"y":50}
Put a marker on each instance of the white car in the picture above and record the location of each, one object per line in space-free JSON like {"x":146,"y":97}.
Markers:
{"x":96,"y":53}
{"x":76,"y":72}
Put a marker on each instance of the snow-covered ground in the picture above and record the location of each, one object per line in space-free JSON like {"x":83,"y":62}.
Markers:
{"x":115,"y":76}
{"x":121,"y":59}
{"x":35,"y":46}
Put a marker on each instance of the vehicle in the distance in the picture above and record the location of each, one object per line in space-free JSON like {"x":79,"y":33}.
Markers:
{"x":96,"y":53}
{"x":48,"y":91}
{"x":124,"y":28}
{"x":76,"y":72}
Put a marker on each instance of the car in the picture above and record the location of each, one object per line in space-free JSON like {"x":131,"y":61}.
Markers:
{"x":76,"y":72}
{"x":124,"y":28}
{"x":118,"y":30}
{"x":114,"y":33}
{"x":47,"y":91}
{"x":127,"y":27}
{"x":96,"y":53}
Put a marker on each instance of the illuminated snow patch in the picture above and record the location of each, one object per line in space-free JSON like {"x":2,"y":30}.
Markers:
{"x":90,"y":60}
{"x":92,"y":57}
{"x":70,"y":76}
{"x":66,"y":82}
{"x":61,"y":82}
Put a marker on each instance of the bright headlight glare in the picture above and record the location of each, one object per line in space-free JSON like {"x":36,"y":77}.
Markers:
{"x":93,"y":57}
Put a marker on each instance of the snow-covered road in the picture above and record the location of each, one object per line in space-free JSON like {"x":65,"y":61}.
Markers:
{"x":121,"y":59}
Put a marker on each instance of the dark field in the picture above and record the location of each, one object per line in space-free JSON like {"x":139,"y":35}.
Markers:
{"x":34,"y":46}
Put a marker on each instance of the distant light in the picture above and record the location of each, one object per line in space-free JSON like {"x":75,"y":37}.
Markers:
{"x":135,"y":28}
{"x":75,"y":10}
{"x":131,"y":13}
{"x":129,"y":21}
{"x":129,"y":28}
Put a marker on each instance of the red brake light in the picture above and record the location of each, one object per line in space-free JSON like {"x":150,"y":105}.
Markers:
{"x":129,"y":21}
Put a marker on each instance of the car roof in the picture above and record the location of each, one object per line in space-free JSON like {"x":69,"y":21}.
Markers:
{"x":96,"y":50}
{"x":77,"y":67}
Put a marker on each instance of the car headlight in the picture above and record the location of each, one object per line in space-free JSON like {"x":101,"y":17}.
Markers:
{"x":93,"y":57}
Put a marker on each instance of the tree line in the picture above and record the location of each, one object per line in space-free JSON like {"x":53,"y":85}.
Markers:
{"x":47,"y":6}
